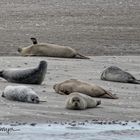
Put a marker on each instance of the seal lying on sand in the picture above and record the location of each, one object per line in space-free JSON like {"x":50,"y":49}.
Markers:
{"x":79,"y":101}
{"x":73,"y":85}
{"x":50,"y":50}
{"x":117,"y":75}
{"x":26,"y":76}
{"x":20,"y":93}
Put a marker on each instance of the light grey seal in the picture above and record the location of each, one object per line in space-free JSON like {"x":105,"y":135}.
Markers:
{"x":73,"y":85}
{"x":116,"y":74}
{"x":20,"y":93}
{"x":79,"y":101}
{"x":26,"y":76}
{"x":50,"y":50}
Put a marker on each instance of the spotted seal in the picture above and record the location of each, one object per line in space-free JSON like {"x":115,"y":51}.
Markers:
{"x":27,"y":76}
{"x":116,"y":74}
{"x":74,"y":85}
{"x":21,"y":93}
{"x":50,"y":50}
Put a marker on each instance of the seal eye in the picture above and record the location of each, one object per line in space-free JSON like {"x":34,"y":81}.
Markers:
{"x":78,"y":100}
{"x":73,"y":100}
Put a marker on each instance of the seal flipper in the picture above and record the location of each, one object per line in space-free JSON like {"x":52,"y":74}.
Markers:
{"x":109,"y":95}
{"x":1,"y":73}
{"x":34,"y":40}
{"x":80,"y":56}
{"x":136,"y":81}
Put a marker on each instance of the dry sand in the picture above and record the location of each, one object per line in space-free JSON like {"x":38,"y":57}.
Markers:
{"x":127,"y":107}
{"x":93,"y":27}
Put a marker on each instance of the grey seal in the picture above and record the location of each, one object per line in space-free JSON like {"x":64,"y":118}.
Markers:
{"x":79,"y":101}
{"x":26,"y":76}
{"x":116,"y":74}
{"x":21,"y":93}
{"x":74,"y":85}
{"x":49,"y":50}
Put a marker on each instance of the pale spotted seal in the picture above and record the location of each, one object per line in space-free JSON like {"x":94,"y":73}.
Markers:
{"x":73,"y":85}
{"x":116,"y":74}
{"x":79,"y":101}
{"x":21,"y":93}
{"x":50,"y":50}
{"x":27,"y":76}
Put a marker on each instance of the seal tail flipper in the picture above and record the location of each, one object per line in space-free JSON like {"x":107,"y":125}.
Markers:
{"x":109,"y":95}
{"x":136,"y":81}
{"x":80,"y":56}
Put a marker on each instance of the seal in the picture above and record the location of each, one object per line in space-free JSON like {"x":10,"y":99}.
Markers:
{"x":26,"y":76}
{"x":116,"y":74}
{"x":21,"y":93}
{"x":73,"y":85}
{"x":79,"y":101}
{"x":49,"y":50}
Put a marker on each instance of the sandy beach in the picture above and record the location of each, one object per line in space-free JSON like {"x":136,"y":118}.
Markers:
{"x":93,"y":27}
{"x":127,"y":107}
{"x":108,"y":31}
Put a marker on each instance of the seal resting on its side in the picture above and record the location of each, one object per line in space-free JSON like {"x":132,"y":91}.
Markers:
{"x":26,"y":76}
{"x":20,"y":93}
{"x":116,"y":74}
{"x":79,"y":101}
{"x":50,"y":50}
{"x":73,"y":85}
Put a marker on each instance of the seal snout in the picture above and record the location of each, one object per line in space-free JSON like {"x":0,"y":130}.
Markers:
{"x":99,"y":102}
{"x":34,"y":99}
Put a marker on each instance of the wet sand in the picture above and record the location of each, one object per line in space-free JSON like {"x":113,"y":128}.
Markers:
{"x":127,"y":107}
{"x":93,"y":27}
{"x":64,"y":132}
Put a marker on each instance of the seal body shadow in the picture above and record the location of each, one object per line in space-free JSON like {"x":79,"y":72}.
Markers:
{"x":116,"y":74}
{"x":49,"y":50}
{"x":74,"y":85}
{"x":27,"y":76}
